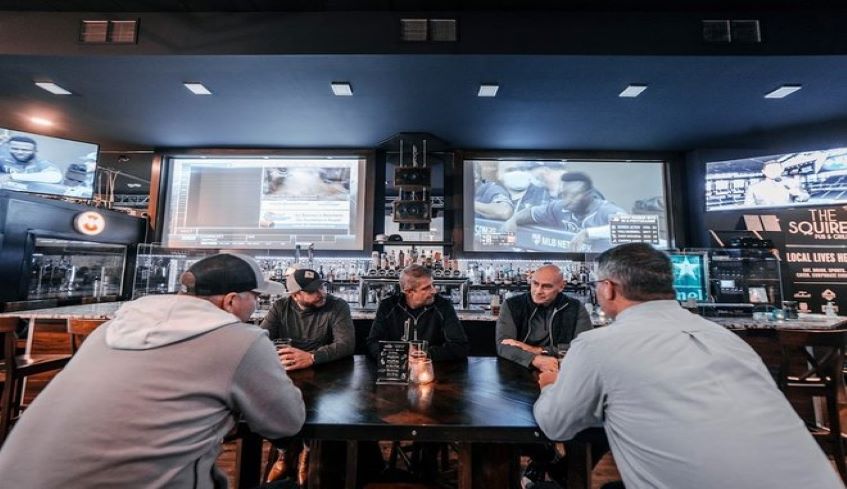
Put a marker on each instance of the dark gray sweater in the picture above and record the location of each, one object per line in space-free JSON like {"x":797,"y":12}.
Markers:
{"x":326,"y":332}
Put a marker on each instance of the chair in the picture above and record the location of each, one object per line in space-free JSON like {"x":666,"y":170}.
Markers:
{"x":14,"y":368}
{"x":822,"y":355}
{"x":79,"y":329}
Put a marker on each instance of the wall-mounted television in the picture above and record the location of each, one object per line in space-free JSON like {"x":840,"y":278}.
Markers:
{"x":783,"y":180}
{"x":529,"y":205}
{"x":47,"y":165}
{"x":690,"y":276}
{"x":274,"y":202}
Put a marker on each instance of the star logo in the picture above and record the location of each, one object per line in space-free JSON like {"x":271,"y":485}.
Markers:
{"x":688,"y":268}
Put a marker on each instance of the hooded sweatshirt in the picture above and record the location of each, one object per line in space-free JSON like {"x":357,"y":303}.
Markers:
{"x":148,"y":398}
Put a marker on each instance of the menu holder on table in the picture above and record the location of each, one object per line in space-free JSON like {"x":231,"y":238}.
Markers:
{"x":393,"y":362}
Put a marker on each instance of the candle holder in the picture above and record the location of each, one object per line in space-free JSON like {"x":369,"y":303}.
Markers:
{"x":420,"y":371}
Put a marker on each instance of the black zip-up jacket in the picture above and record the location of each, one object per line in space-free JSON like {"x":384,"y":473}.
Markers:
{"x":436,"y":323}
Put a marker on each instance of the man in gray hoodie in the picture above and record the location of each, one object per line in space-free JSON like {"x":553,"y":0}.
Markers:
{"x":150,"y":395}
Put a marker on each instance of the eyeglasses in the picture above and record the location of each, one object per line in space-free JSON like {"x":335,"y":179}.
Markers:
{"x":593,"y":283}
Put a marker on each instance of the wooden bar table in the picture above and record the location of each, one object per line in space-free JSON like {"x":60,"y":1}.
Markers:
{"x":483,"y":403}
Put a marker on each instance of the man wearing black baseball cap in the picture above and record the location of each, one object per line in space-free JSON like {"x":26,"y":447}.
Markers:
{"x":316,"y":328}
{"x":318,"y":325}
{"x":150,"y":394}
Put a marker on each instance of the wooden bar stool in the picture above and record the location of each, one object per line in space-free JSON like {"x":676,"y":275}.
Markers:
{"x":14,"y":368}
{"x":79,"y":329}
{"x":823,"y":355}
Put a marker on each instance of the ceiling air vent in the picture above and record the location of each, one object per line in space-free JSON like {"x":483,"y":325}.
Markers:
{"x":413,"y":30}
{"x":746,"y":31}
{"x":93,"y":31}
{"x":108,"y":32}
{"x":422,"y":30}
{"x":716,"y":31}
{"x":443,"y":30}
{"x":123,"y":31}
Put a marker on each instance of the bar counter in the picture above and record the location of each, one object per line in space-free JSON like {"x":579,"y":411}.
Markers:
{"x":106,"y":310}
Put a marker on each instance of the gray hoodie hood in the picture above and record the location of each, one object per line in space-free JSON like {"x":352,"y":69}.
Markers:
{"x":159,"y":320}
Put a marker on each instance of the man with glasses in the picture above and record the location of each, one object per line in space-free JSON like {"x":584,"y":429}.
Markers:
{"x":418,"y":313}
{"x":149,"y":396}
{"x":684,"y":402}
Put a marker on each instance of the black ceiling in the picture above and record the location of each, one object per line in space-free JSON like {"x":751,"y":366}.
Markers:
{"x":564,"y":99}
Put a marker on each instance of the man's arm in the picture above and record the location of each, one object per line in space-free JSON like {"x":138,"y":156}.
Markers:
{"x":576,"y":400}
{"x":47,"y":173}
{"x":494,"y":210}
{"x":455,"y":345}
{"x":377,"y":332}
{"x":507,"y":330}
{"x":343,"y":335}
{"x":519,"y":218}
{"x":261,"y":391}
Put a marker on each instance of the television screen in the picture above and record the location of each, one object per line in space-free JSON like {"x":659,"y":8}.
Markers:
{"x":793,"y":179}
{"x":259,"y":203}
{"x":562,"y":206}
{"x":689,"y":276}
{"x":46,"y":165}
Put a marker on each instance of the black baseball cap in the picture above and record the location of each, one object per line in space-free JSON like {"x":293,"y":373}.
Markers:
{"x":304,"y":279}
{"x":225,"y":273}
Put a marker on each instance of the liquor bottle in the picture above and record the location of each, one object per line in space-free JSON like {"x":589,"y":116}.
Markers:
{"x":321,"y":272}
{"x":401,"y":259}
{"x":383,"y":261}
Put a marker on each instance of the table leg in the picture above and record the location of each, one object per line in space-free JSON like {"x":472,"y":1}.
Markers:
{"x":352,"y":464}
{"x":465,"y":468}
{"x":579,"y":464}
{"x":487,"y":465}
{"x":248,"y":460}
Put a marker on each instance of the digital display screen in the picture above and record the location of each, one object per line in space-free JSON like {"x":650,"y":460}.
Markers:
{"x":47,"y":165}
{"x":689,"y":276}
{"x":562,"y":206}
{"x":784,"y":180}
{"x":265,"y":203}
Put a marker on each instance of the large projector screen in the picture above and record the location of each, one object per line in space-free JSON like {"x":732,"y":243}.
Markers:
{"x":265,"y":203}
{"x":563,"y":206}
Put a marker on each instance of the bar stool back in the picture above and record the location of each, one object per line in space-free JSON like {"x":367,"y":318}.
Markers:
{"x":823,"y":354}
{"x":79,"y":329}
{"x":14,"y":368}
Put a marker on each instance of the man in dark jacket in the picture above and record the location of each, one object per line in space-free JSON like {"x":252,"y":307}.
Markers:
{"x":532,"y":325}
{"x":418,"y":313}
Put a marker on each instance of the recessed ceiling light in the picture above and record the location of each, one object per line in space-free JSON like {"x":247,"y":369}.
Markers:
{"x":342,"y":89}
{"x":632,"y":91}
{"x":488,"y":90}
{"x":197,"y":88}
{"x":783,"y":91}
{"x":52,"y":88}
{"x":41,"y":121}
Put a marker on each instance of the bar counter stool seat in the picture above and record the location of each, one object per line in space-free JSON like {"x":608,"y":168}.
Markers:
{"x":14,"y":368}
{"x":822,"y":353}
{"x":79,"y":329}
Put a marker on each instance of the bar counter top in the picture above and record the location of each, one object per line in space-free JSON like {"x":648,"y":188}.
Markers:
{"x":106,"y":310}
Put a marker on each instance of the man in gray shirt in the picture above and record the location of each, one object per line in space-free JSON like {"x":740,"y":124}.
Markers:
{"x":319,"y":325}
{"x":532,"y":325}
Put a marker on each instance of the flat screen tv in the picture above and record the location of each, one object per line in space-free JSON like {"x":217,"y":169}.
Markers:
{"x":47,"y":165}
{"x":529,"y":205}
{"x":783,"y":180}
{"x":690,"y":276}
{"x":265,"y":203}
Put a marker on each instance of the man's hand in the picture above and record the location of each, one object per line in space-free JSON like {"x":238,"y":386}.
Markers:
{"x":511,"y":225}
{"x":545,"y":363}
{"x":535,"y":350}
{"x":546,"y":377}
{"x":294,"y":359}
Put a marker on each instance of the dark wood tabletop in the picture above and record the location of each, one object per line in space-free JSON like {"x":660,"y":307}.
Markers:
{"x":482,"y":399}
